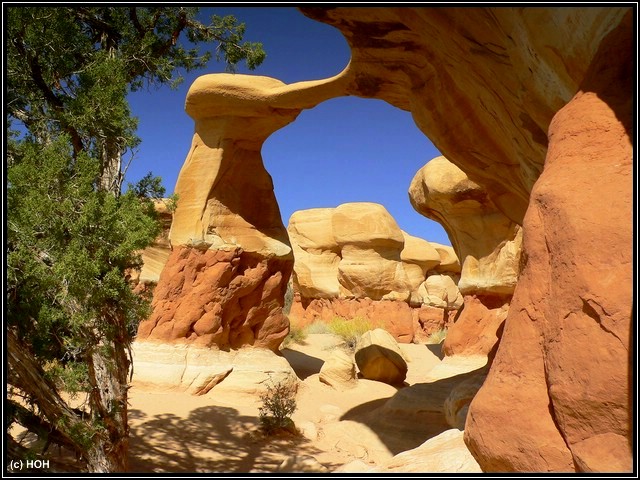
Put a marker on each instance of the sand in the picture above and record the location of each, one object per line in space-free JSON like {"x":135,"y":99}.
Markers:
{"x":220,"y":432}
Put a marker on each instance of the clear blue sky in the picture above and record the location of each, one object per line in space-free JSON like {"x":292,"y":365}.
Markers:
{"x":347,"y":149}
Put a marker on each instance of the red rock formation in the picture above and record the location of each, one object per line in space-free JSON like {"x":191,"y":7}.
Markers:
{"x":353,"y":261}
{"x":488,"y":245}
{"x":215,"y":297}
{"x":561,"y":377}
{"x":484,"y":85}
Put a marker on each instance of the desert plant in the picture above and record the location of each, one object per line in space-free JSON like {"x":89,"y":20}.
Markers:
{"x":318,"y":326}
{"x":278,"y":404}
{"x":437,"y":337}
{"x":296,"y":334}
{"x":288,"y":298}
{"x":350,"y":330}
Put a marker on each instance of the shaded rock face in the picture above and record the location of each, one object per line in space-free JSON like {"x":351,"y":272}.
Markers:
{"x":354,"y":261}
{"x":484,"y":85}
{"x":563,"y":367}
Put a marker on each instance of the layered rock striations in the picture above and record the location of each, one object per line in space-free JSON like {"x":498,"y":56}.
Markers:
{"x":355,"y":261}
{"x":563,"y":368}
{"x":484,"y":84}
{"x":224,"y":281}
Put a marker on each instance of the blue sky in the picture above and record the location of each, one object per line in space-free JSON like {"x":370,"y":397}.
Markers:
{"x":347,"y":149}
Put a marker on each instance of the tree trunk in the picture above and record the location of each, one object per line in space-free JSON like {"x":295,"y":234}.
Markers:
{"x":106,"y":450}
{"x":111,"y":175}
{"x":25,"y":373}
{"x":108,"y":372}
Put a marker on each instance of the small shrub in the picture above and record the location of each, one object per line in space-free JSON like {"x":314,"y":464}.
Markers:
{"x":296,"y":335}
{"x":437,"y":337}
{"x":351,"y":330}
{"x":318,"y":327}
{"x":288,"y":298}
{"x":278,"y":404}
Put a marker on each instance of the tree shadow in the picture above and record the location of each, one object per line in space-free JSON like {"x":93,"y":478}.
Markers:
{"x":413,"y":415}
{"x":212,"y":439}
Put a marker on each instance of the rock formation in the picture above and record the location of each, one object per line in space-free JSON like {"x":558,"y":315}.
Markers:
{"x":354,"y":261}
{"x":155,"y":256}
{"x":534,"y":106}
{"x":379,"y":358}
{"x":488,"y":245}
{"x":224,"y":282}
{"x":570,"y":294}
{"x":484,"y":85}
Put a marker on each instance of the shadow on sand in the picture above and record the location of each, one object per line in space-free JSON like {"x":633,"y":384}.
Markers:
{"x":212,"y":439}
{"x":413,"y":415}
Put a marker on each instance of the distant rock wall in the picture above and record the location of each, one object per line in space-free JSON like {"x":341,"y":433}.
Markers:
{"x":156,"y":255}
{"x":354,"y":261}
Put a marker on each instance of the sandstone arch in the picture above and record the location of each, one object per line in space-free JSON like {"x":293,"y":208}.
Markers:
{"x":533,"y":105}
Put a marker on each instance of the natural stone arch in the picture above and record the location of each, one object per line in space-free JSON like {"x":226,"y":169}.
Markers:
{"x":498,"y":120}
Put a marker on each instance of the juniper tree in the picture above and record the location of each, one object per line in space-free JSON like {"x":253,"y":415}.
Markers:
{"x":73,"y":233}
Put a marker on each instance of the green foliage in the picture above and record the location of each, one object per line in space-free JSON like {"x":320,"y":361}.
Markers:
{"x":72,"y":233}
{"x":68,"y":248}
{"x":437,"y":337}
{"x":278,"y":404}
{"x":172,"y":202}
{"x":318,"y":326}
{"x":296,"y":334}
{"x":350,"y":330}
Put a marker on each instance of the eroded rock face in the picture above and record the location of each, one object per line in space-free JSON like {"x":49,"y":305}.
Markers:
{"x":354,"y":261}
{"x":565,"y":347}
{"x":228,"y":299}
{"x":484,"y":85}
{"x":224,"y":281}
{"x":488,"y":245}
{"x":156,"y":255}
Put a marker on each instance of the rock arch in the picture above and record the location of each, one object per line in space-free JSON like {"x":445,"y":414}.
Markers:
{"x":534,"y":105}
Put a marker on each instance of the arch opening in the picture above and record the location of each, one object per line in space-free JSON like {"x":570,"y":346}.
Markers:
{"x":351,"y":149}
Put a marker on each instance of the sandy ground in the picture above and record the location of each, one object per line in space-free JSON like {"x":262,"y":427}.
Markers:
{"x":178,"y":432}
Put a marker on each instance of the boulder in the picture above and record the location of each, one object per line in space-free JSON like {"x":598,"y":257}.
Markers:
{"x":379,"y":358}
{"x":339,"y":371}
{"x":200,"y":370}
{"x":445,"y":453}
